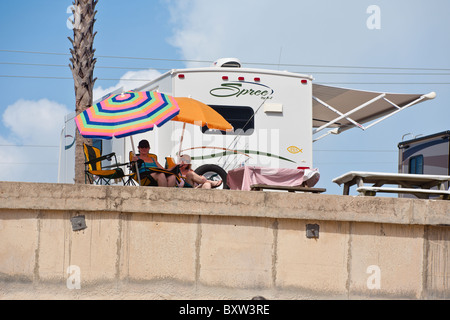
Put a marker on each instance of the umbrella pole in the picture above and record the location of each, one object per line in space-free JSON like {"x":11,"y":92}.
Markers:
{"x":181,"y":140}
{"x":137,"y":169}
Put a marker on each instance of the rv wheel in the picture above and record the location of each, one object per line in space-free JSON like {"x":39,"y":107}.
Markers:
{"x":213,"y":172}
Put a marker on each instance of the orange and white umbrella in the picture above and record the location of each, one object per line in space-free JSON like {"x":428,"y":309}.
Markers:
{"x":195,"y":112}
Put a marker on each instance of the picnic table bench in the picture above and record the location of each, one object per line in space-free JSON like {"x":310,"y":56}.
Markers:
{"x":419,"y":193}
{"x":259,"y":187}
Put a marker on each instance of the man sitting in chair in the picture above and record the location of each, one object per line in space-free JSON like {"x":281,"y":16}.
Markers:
{"x":147,"y":162}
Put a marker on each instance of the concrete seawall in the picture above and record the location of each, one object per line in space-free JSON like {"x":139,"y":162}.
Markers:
{"x":164,"y":243}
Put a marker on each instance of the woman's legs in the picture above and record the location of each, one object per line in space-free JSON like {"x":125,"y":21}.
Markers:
{"x":171,"y":181}
{"x":209,"y":184}
{"x":192,"y":177}
{"x":164,"y":181}
{"x":206,"y":185}
{"x":160,"y":178}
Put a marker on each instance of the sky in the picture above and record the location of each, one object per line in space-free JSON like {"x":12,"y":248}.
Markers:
{"x":399,"y":46}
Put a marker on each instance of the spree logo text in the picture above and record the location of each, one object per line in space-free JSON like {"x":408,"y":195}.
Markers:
{"x":237,"y":89}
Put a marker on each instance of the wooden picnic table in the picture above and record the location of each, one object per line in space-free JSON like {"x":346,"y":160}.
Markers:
{"x":419,"y":185}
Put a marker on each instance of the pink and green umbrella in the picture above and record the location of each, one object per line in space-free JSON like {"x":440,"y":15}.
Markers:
{"x":126,"y":114}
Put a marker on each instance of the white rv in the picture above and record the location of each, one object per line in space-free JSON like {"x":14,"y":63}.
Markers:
{"x":270,"y":112}
{"x":276,"y":116}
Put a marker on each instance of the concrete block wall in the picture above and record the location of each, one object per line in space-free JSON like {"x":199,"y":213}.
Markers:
{"x":161,"y":243}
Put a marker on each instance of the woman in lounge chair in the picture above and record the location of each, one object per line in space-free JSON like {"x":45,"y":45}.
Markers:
{"x":191,"y":179}
{"x":146,"y":162}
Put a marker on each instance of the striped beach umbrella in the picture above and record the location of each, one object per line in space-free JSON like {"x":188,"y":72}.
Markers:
{"x":126,"y":114}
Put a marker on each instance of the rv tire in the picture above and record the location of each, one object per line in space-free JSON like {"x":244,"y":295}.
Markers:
{"x":213,"y":172}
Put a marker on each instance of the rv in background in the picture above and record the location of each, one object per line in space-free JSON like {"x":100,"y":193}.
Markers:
{"x":426,"y":155}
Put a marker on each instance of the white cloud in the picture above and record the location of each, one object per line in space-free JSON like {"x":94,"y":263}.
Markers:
{"x":30,"y":151}
{"x":35,"y":122}
{"x":129,"y":81}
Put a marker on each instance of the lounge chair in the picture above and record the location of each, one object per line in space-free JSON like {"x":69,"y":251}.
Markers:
{"x":94,"y":172}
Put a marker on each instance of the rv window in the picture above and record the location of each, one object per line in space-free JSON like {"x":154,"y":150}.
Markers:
{"x":416,"y":164}
{"x":241,"y":118}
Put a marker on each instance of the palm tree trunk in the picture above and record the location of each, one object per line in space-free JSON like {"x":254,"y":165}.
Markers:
{"x":82,"y":66}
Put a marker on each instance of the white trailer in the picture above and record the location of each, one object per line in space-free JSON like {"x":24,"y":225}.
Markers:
{"x":270,"y":112}
{"x":276,"y":116}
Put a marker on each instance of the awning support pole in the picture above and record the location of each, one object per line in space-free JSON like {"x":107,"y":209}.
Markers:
{"x":396,"y":111}
{"x":346,"y":114}
{"x":336,"y":111}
